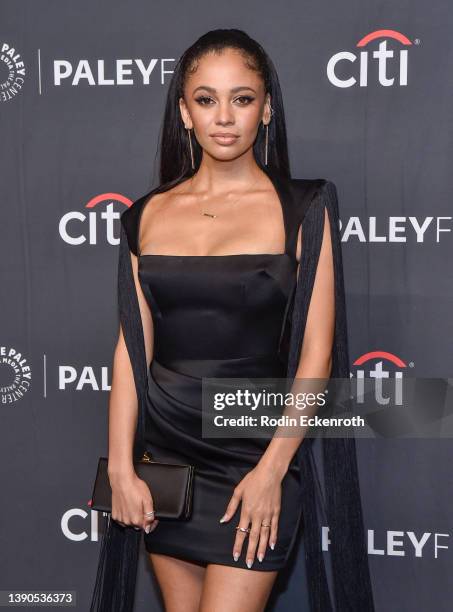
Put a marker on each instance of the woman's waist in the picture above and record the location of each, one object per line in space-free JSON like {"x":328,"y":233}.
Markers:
{"x":181,"y":394}
{"x":261,"y":365}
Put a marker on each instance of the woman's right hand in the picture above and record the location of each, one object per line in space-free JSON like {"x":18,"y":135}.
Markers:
{"x":131,"y":499}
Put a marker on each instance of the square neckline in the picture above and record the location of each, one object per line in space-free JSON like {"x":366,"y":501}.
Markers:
{"x":227,"y":255}
{"x":141,"y":255}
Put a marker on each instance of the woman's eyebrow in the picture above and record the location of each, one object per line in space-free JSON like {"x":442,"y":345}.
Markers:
{"x":233,"y":90}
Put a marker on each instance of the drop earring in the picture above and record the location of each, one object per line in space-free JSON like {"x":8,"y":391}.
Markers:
{"x":191,"y":149}
{"x":266,"y":145}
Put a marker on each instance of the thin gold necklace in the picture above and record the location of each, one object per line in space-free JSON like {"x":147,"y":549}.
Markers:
{"x":205,"y":213}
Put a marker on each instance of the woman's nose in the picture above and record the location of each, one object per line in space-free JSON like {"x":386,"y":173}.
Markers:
{"x":225,"y":114}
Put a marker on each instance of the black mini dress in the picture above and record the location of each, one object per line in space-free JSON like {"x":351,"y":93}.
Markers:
{"x":215,"y":316}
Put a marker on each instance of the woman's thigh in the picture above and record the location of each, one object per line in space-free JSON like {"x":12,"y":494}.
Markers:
{"x":180,"y":581}
{"x":234,"y":589}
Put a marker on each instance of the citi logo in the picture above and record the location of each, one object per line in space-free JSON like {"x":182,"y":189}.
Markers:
{"x":96,"y":224}
{"x":390,"y":377}
{"x":392,"y":63}
{"x":78,"y":524}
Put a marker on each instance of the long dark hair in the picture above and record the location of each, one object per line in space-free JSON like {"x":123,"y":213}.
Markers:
{"x":175,"y":162}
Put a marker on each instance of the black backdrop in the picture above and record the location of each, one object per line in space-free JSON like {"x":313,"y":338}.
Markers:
{"x":368,"y":99}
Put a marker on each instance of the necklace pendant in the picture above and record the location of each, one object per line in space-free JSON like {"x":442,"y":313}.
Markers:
{"x":206,"y":214}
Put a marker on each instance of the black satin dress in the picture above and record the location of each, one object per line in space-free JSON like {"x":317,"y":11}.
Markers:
{"x":214,"y":316}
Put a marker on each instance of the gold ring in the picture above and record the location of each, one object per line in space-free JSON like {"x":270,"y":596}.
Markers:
{"x":244,"y":529}
{"x":265,"y":525}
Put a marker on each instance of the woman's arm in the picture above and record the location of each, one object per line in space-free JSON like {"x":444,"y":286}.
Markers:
{"x":316,"y":355}
{"x":123,"y":402}
{"x":260,"y":490}
{"x":131,"y":496}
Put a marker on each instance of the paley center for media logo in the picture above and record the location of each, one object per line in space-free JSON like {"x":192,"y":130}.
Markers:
{"x":12,"y":72}
{"x":391,"y":56}
{"x":15,"y":375}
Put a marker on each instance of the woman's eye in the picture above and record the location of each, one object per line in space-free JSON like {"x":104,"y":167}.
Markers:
{"x":206,"y":100}
{"x":246,"y":99}
{"x":201,"y":100}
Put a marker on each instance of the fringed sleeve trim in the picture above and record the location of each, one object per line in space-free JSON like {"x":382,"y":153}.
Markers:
{"x":341,"y":506}
{"x":114,"y":589}
{"x":131,"y":322}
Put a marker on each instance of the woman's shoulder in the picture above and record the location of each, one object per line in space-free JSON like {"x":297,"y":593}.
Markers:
{"x":307,"y":190}
{"x":159,"y":193}
{"x":315,"y":194}
{"x":130,"y":218}
{"x":310,"y":184}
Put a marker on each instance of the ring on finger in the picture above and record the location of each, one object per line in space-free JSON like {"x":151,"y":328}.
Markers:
{"x":265,"y":525}
{"x":244,"y":529}
{"x":151,"y":513}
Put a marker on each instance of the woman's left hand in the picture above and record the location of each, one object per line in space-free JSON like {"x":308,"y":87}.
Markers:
{"x":260,"y":493}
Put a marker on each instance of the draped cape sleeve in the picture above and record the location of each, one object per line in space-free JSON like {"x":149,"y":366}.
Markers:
{"x":340,"y":505}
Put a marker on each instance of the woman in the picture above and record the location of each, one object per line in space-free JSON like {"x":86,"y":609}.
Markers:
{"x":209,"y":279}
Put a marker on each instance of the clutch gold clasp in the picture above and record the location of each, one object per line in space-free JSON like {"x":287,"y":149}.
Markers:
{"x":147,"y":457}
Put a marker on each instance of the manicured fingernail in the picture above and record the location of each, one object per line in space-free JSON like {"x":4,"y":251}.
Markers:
{"x":249,"y":563}
{"x":223,"y":519}
{"x":236,"y":556}
{"x":260,"y":557}
{"x":147,"y":528}
{"x":272,"y":545}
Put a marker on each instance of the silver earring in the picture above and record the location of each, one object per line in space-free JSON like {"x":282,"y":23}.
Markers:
{"x":191,"y":149}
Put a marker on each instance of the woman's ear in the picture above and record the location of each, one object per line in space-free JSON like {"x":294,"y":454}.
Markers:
{"x":185,"y":114}
{"x":267,"y":110}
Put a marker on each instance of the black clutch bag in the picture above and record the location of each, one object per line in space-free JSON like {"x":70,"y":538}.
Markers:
{"x":171,"y":486}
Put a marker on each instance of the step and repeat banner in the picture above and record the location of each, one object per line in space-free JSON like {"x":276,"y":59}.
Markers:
{"x":368,"y":99}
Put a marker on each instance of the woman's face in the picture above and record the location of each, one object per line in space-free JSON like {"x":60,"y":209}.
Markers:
{"x":224,"y":96}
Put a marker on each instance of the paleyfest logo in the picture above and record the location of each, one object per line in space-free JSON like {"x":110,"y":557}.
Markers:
{"x":12,"y":72}
{"x":15,"y":375}
{"x":392,"y":63}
